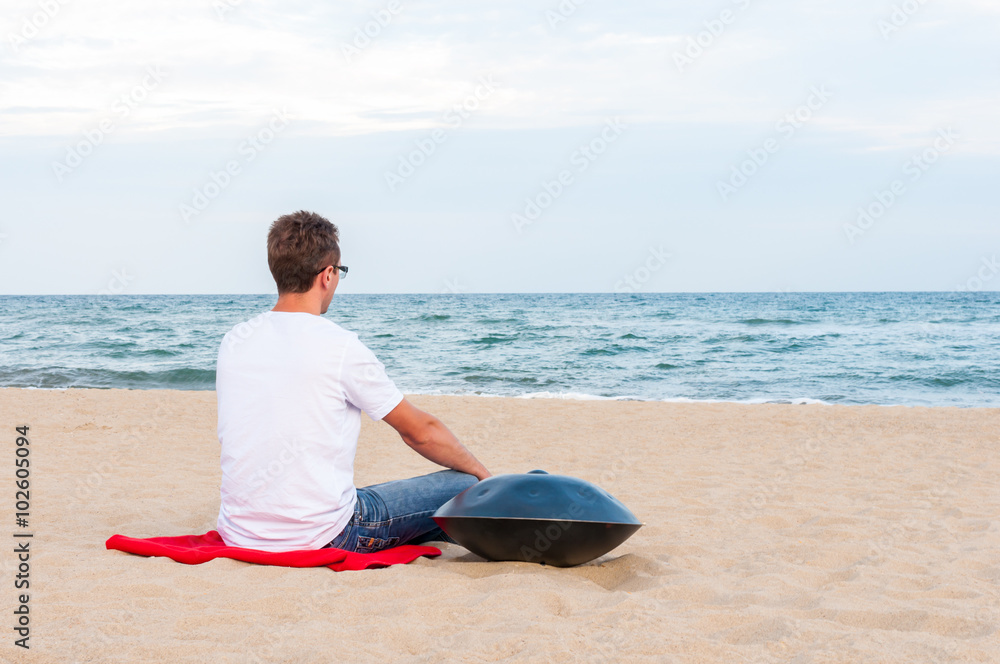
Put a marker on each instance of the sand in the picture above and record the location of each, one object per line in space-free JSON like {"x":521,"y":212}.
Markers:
{"x":774,"y":533}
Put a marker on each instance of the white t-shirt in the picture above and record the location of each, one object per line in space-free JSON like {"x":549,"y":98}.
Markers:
{"x":291,"y":387}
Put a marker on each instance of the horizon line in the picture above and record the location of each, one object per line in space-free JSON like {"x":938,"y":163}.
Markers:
{"x":644,"y":292}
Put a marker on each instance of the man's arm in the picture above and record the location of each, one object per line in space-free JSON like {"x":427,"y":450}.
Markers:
{"x":429,"y":437}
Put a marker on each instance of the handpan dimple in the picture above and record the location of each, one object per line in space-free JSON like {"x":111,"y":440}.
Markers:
{"x":537,"y":517}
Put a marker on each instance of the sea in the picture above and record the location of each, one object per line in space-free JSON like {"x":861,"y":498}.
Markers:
{"x":911,"y":349}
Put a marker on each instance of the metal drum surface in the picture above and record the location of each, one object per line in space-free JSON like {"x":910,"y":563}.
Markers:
{"x":537,"y":517}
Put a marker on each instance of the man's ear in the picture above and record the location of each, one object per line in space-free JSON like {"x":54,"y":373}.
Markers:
{"x":321,"y":280}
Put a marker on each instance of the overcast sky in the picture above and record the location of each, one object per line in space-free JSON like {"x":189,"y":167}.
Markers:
{"x":502,"y":146}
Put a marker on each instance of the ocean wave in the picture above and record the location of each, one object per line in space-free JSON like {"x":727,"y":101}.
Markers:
{"x":772,"y":321}
{"x":615,"y":349}
{"x":65,"y":377}
{"x":500,"y":321}
{"x":740,"y":338}
{"x":931,"y":381}
{"x":582,"y":396}
{"x":797,"y":401}
{"x":493,"y":339}
{"x":739,"y":348}
{"x":574,"y":396}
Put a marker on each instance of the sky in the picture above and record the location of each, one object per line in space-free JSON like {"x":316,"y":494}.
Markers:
{"x":574,"y":146}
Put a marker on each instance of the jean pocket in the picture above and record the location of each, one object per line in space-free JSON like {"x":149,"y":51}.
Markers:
{"x":340,"y":541}
{"x":371,"y":544}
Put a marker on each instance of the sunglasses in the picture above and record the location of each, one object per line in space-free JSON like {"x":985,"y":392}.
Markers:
{"x":342,"y":268}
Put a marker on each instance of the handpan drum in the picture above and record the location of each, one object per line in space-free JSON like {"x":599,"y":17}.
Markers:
{"x":538,"y":518}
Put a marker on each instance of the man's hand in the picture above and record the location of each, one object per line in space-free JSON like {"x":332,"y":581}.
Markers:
{"x":430,"y":438}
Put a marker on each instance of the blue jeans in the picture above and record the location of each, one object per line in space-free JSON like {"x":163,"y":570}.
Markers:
{"x":399,"y":512}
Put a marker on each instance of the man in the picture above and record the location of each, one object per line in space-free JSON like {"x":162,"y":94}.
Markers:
{"x":291,"y":386}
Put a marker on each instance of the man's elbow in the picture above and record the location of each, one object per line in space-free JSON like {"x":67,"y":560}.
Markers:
{"x":421,"y":434}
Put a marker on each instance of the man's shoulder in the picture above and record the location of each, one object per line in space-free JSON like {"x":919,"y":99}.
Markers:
{"x":243,"y":330}
{"x":309,"y":325}
{"x":326,"y":326}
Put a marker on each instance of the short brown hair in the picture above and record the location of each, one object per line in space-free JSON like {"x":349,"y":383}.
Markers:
{"x":299,"y":246}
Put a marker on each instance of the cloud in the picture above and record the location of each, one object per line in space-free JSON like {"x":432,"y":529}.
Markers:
{"x":363,"y":67}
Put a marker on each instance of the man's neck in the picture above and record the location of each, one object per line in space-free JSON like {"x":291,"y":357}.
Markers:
{"x":295,"y":302}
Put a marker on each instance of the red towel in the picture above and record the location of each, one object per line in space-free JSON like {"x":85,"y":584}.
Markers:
{"x":197,"y":549}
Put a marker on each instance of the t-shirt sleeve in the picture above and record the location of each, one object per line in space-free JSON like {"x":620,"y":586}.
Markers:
{"x":366,"y":383}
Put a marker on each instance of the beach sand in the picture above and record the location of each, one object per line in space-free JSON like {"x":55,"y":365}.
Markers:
{"x":774,"y":533}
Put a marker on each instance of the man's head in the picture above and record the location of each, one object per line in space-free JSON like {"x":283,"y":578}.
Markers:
{"x":299,"y":246}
